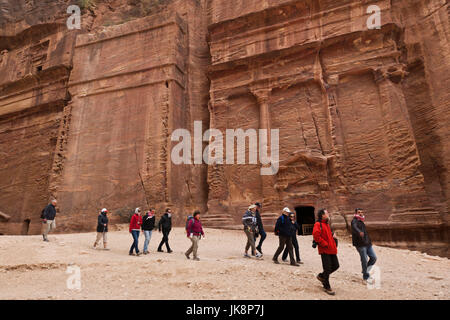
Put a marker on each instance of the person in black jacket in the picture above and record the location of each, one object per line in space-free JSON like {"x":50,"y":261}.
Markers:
{"x":261,"y":231}
{"x":362,"y":242}
{"x":48,"y":219}
{"x":148,"y":224}
{"x":165,"y":224}
{"x":283,"y":228}
{"x":250,"y":226}
{"x":295,"y":227}
{"x":102,"y":229}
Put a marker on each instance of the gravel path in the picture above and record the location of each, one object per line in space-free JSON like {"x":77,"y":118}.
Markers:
{"x":33,"y":269}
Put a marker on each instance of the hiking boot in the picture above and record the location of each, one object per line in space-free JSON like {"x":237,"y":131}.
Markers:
{"x":322,"y":280}
{"x":131,"y":254}
{"x":159,"y":250}
{"x":299,"y":261}
{"x":295,"y":265}
{"x":170,"y":251}
{"x":138,"y":254}
{"x":187,"y":256}
{"x":145,"y":252}
{"x":275,"y":261}
{"x":196,"y":259}
{"x":329,"y":291}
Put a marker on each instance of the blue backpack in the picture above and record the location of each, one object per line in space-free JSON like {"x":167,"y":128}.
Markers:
{"x":189,"y":218}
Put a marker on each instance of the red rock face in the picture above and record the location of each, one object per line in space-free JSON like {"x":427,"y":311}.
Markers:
{"x":86,"y":116}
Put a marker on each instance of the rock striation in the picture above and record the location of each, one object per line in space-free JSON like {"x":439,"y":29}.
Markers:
{"x":86,"y":115}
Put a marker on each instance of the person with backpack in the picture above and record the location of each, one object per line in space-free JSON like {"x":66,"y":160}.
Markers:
{"x":135,"y":227}
{"x":259,"y":222}
{"x":148,"y":224}
{"x":165,"y":224}
{"x":48,"y":215}
{"x":250,"y":225}
{"x":294,"y":229}
{"x":362,"y":242}
{"x":327,"y":248}
{"x":283,"y":229}
{"x":194,"y":231}
{"x":102,"y":229}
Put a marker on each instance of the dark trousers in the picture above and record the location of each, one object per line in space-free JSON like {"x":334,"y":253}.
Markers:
{"x":285,"y":241}
{"x":165,"y":240}
{"x":135,"y":234}
{"x":296,"y":249}
{"x":330,"y":264}
{"x":263,"y":235}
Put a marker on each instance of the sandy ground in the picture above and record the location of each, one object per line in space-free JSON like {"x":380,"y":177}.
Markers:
{"x":33,"y":269}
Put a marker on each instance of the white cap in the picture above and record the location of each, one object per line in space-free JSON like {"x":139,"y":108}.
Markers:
{"x":251,"y":207}
{"x":286,"y":209}
{"x":104,"y":210}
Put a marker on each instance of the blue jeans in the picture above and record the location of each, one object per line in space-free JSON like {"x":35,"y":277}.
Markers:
{"x":365,"y":252}
{"x":135,"y":234}
{"x":148,"y":236}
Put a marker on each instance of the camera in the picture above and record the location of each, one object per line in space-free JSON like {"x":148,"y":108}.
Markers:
{"x":314,"y":244}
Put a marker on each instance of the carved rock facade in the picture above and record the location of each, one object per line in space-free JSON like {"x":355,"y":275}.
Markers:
{"x":86,"y":116}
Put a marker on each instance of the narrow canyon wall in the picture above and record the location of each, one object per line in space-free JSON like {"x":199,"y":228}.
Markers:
{"x":86,"y":116}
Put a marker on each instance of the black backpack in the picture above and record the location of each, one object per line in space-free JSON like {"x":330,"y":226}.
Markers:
{"x":43,"y":213}
{"x":314,"y":243}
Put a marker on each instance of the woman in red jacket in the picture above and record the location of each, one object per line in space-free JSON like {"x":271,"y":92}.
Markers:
{"x":135,"y":227}
{"x":326,"y":244}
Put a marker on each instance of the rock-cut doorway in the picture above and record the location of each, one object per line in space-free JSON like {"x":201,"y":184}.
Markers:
{"x":305,"y":219}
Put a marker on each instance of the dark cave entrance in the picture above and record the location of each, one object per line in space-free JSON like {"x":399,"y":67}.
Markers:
{"x":305,"y":219}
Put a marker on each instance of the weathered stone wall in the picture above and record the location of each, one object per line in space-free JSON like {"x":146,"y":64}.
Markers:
{"x":86,"y":116}
{"x":348,"y":102}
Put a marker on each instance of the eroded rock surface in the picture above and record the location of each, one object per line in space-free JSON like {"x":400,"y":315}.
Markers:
{"x":86,"y":115}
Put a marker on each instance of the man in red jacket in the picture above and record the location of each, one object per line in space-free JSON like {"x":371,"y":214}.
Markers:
{"x":326,"y":244}
{"x":194,"y":232}
{"x":135,"y":227}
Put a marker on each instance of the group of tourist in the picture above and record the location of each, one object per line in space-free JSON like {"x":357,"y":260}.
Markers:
{"x":286,"y":228}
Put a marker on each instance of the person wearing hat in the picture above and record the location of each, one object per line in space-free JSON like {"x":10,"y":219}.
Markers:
{"x":261,"y":231}
{"x":102,"y":229}
{"x":283,"y":229}
{"x":250,"y":224}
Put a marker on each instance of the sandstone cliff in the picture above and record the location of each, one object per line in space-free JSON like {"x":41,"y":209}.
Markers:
{"x":86,"y":115}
